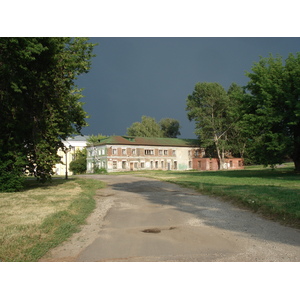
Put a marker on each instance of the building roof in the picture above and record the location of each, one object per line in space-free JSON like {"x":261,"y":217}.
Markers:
{"x":78,"y":138}
{"x":148,"y":141}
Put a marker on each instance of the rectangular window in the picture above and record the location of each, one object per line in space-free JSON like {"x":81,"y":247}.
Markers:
{"x":149,"y":152}
{"x":175,"y":165}
{"x":123,"y":164}
{"x":135,"y":165}
{"x":142,"y":165}
{"x":114,"y":151}
{"x":151,"y":164}
{"x":165,"y":152}
{"x":162,"y":164}
{"x":230,"y":163}
{"x":240,"y":163}
{"x":174,"y":152}
{"x":156,"y":165}
{"x":123,"y":151}
{"x":133,"y":151}
{"x":160,"y":152}
{"x":199,"y":164}
{"x":190,"y":164}
{"x":114,"y":165}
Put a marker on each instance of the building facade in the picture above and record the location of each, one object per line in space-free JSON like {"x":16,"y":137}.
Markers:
{"x":72,"y":144}
{"x":212,"y":164}
{"x":122,"y":153}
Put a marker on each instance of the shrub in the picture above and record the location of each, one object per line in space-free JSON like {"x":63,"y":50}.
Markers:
{"x":97,"y":170}
{"x":11,"y":179}
{"x":78,"y":165}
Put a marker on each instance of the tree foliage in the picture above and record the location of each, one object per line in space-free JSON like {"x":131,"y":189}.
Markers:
{"x":94,"y":139}
{"x":170,"y":127}
{"x":273,"y":110}
{"x":39,"y":101}
{"x":148,"y":127}
{"x":78,"y":165}
{"x":238,"y":135}
{"x":216,"y":114}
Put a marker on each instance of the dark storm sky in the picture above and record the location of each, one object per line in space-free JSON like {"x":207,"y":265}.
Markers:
{"x":131,"y":77}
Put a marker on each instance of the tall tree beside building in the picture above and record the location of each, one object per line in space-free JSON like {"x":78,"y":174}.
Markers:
{"x":273,"y":110}
{"x":39,"y":101}
{"x":238,"y":135}
{"x":215,"y":115}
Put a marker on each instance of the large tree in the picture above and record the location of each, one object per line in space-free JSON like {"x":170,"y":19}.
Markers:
{"x":148,"y":127}
{"x":273,"y":110}
{"x":170,"y":127}
{"x":216,"y":115}
{"x":39,"y":101}
{"x":237,"y":134}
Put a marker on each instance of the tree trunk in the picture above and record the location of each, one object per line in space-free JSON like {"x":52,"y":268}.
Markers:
{"x":296,"y":159}
{"x":297,"y":165}
{"x":221,"y":157}
{"x":296,"y":154}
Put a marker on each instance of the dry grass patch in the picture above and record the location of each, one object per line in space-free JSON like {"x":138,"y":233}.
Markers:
{"x":42,"y":216}
{"x":33,"y":205}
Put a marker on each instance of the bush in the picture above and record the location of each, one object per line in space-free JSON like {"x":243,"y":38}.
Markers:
{"x":100,"y":171}
{"x":78,"y":166}
{"x":11,"y":179}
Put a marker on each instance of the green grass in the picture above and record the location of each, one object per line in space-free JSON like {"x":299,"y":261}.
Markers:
{"x":275,"y":194}
{"x":43,"y":216}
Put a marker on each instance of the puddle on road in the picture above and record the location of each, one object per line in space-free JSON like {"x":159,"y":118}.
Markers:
{"x":156,"y":230}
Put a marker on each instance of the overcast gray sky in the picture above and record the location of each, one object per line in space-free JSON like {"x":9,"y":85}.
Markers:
{"x":131,"y":77}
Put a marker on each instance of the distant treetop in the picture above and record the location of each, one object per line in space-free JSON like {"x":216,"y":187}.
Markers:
{"x":148,"y":127}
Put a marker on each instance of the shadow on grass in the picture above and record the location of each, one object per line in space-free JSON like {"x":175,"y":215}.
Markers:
{"x":32,"y":183}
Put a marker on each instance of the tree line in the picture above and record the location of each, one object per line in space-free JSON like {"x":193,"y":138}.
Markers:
{"x":40,"y":106}
{"x":260,"y":121}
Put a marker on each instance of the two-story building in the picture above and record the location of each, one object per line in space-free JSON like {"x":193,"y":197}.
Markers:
{"x":124,"y":153}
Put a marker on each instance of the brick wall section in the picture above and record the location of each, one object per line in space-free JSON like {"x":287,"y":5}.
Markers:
{"x":206,"y":164}
{"x":212,"y":164}
{"x":235,"y":163}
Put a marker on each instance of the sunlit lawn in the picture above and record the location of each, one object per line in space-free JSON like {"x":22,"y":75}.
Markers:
{"x":273,"y":193}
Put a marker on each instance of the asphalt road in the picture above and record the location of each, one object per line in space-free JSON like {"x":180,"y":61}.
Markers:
{"x":141,"y":219}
